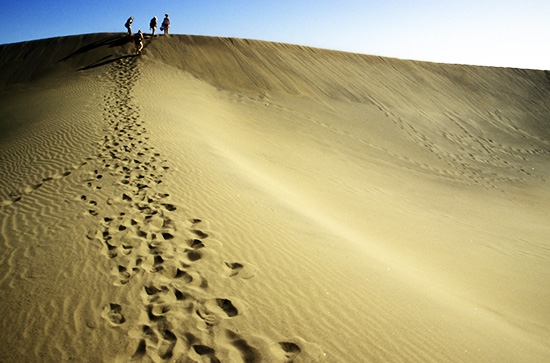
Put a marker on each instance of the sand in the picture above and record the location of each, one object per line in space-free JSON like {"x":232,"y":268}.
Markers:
{"x":243,"y":201}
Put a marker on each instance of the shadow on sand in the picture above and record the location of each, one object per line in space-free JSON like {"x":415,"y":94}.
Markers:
{"x":105,"y":60}
{"x":110,"y":41}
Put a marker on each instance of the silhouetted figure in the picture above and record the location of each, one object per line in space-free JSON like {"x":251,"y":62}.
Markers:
{"x":138,"y":40}
{"x":153,"y":26}
{"x":128,"y":25}
{"x":165,"y":24}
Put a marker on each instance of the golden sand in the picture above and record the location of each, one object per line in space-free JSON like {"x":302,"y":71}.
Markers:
{"x":243,"y":201}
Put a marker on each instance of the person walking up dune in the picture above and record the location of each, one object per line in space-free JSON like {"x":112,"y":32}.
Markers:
{"x":138,"y":40}
{"x":165,"y":24}
{"x":153,"y":26}
{"x":128,"y":25}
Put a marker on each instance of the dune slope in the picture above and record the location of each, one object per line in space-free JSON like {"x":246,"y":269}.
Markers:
{"x":237,"y":200}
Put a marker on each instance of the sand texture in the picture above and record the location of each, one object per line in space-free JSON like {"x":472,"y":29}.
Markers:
{"x":226,"y":200}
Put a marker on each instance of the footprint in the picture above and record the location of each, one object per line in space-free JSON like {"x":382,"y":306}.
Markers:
{"x":124,"y":274}
{"x":166,"y":350}
{"x":196,"y":244}
{"x":180,"y":274}
{"x":181,"y":296}
{"x":150,"y":334}
{"x":199,"y":233}
{"x":113,"y":313}
{"x":169,"y":207}
{"x":227,"y":306}
{"x":291,"y":350}
{"x":141,"y":350}
{"x":213,"y":310}
{"x":111,"y":250}
{"x":236,"y":269}
{"x":158,"y":260}
{"x":157,"y":312}
{"x":167,"y":236}
{"x":248,"y":352}
{"x":152,"y":290}
{"x":204,"y":350}
{"x":193,"y":255}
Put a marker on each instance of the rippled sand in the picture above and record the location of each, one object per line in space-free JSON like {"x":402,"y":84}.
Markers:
{"x":242,"y":201}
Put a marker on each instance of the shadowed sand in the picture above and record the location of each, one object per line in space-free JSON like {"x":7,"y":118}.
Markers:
{"x":243,"y":201}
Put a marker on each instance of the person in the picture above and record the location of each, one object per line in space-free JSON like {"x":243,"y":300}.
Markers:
{"x":138,"y":40}
{"x":153,"y":25}
{"x":128,"y":25}
{"x":165,"y":25}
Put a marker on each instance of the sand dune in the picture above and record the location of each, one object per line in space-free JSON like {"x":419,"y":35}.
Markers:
{"x":242,"y":201}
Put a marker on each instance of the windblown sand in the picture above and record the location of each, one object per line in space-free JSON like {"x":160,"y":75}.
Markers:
{"x":242,"y":201}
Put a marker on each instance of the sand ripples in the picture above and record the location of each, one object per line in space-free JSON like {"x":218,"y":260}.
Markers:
{"x":239,"y":201}
{"x":166,"y":270}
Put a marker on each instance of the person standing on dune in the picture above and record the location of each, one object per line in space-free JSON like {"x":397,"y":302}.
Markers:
{"x":128,"y":25}
{"x":165,"y":25}
{"x":153,"y":26}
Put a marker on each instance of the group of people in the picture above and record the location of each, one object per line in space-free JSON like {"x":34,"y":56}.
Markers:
{"x":138,"y":37}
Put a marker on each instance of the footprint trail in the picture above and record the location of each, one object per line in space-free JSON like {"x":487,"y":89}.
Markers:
{"x":154,"y":253}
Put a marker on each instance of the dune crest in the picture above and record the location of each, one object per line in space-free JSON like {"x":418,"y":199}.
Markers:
{"x":235,"y":200}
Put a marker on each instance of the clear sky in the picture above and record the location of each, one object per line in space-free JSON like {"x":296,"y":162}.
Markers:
{"x":507,"y":33}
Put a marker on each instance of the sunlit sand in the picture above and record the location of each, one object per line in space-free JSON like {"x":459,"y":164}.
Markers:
{"x":244,"y":201}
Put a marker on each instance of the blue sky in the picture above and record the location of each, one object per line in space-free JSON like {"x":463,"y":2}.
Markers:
{"x":507,"y":33}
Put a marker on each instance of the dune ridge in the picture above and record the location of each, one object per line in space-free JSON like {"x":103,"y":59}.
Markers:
{"x":236,"y":200}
